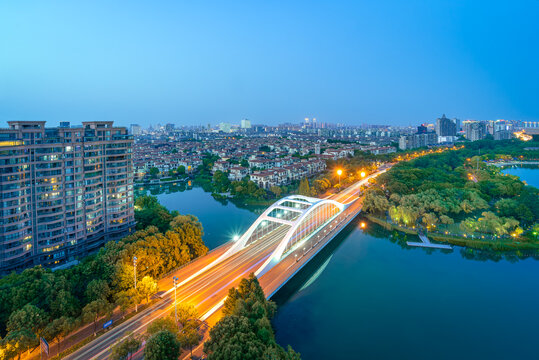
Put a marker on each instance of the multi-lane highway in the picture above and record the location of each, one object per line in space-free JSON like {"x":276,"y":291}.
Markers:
{"x":206,"y":281}
{"x":205,"y":291}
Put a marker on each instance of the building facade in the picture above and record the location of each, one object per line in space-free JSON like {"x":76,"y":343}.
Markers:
{"x":475,"y":130}
{"x":446,"y":127}
{"x":65,"y":191}
{"x":407,"y":142}
{"x":245,"y":124}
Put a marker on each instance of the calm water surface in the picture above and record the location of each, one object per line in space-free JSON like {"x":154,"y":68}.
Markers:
{"x":527,"y":174}
{"x":368,"y":297}
{"x":221,"y":221}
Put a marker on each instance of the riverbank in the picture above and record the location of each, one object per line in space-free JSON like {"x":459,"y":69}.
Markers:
{"x":473,"y":243}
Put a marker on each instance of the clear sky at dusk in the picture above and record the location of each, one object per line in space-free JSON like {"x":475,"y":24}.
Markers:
{"x":199,"y":62}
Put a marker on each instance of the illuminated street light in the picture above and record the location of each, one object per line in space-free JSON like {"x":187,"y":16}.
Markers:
{"x":135,"y":276}
{"x":175,"y":280}
{"x":363,"y":174}
{"x":339,"y":172}
{"x":236,"y":237}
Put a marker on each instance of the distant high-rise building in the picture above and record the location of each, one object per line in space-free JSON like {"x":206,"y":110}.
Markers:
{"x":169,"y":128}
{"x":65,"y":191}
{"x":422,"y":129}
{"x":225,"y":127}
{"x":475,"y":130}
{"x":407,"y":142}
{"x":502,"y":130}
{"x":457,"y":124}
{"x":135,"y":130}
{"x":503,"y":135}
{"x":317,"y":149}
{"x":531,"y":124}
{"x":445,"y":127}
{"x":245,"y":124}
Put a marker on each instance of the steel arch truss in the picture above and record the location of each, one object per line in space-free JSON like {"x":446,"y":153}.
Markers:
{"x":303,"y":216}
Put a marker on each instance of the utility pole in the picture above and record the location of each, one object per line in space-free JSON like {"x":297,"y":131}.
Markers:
{"x":175,"y":279}
{"x":135,"y":275}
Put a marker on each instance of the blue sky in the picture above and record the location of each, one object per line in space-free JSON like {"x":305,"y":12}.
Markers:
{"x":199,"y":62}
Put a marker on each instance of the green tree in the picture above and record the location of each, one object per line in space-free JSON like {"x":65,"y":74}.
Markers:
{"x":16,"y":342}
{"x":186,"y":313}
{"x":97,"y":289}
{"x":304,"y":188}
{"x":245,"y":331}
{"x":161,"y":324}
{"x":58,"y":329}
{"x":122,"y":349}
{"x":30,"y":317}
{"x":189,"y":336}
{"x":64,"y":304}
{"x":429,"y":219}
{"x":233,"y":338}
{"x":126,"y":299}
{"x":221,"y":182}
{"x":147,"y":287}
{"x":276,"y":190}
{"x":375,"y":203}
{"x":154,"y":172}
{"x":163,"y":345}
{"x":94,"y":310}
{"x":181,"y":170}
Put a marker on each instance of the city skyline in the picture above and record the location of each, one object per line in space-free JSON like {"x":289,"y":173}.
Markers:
{"x":341,"y":63}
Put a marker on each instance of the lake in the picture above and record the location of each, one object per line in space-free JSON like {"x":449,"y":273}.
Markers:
{"x":367,"y":296}
{"x":527,"y":174}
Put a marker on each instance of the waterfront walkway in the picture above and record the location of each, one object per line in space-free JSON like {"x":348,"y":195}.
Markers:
{"x":425,"y":242}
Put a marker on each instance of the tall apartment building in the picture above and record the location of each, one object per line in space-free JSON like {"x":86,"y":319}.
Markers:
{"x":245,"y":124}
{"x":413,"y":141}
{"x":475,"y":130}
{"x":136,"y":130}
{"x":446,"y":127}
{"x":65,"y":191}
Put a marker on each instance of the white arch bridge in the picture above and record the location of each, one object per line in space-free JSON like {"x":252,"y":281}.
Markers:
{"x":290,"y":223}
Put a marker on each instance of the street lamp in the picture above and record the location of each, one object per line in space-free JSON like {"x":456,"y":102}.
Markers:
{"x":175,"y":280}
{"x":135,"y":275}
{"x":339,"y":172}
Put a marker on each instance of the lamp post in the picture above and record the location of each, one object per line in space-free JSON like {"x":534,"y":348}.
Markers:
{"x":339,"y":172}
{"x":175,"y":279}
{"x":135,"y":276}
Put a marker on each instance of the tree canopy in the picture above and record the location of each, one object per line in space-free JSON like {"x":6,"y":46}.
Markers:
{"x":245,"y":332}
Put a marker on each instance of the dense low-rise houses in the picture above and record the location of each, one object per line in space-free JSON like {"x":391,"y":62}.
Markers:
{"x":288,"y":173}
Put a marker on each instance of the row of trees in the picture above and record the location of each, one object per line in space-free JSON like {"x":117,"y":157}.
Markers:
{"x":39,"y":302}
{"x":245,"y":331}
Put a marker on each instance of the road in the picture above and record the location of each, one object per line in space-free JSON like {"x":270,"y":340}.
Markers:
{"x":205,"y":284}
{"x":204,"y":292}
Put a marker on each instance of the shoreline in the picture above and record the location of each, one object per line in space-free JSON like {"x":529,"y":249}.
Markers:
{"x":499,"y":245}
